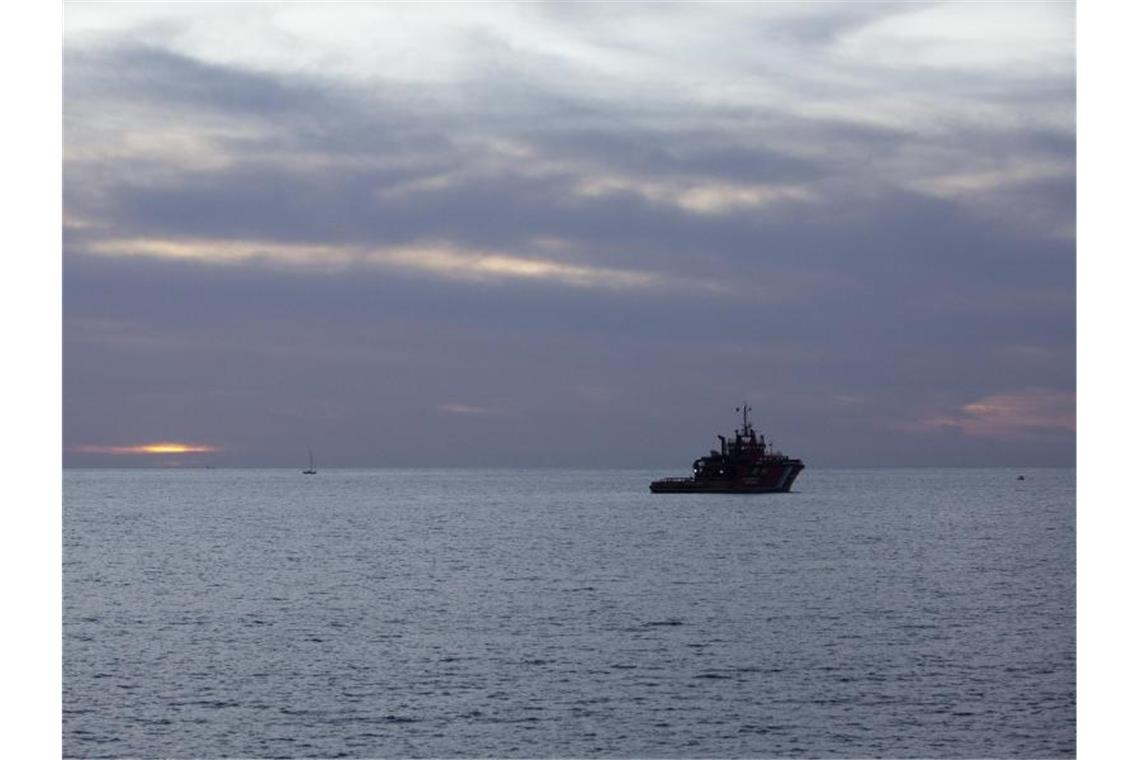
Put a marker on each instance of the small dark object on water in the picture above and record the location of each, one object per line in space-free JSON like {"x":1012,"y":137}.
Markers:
{"x":1021,"y":477}
{"x":744,"y":465}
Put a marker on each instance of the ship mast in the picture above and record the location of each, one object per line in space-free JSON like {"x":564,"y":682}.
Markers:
{"x":745,"y":409}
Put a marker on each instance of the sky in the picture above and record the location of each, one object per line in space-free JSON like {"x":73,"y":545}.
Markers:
{"x":568,"y":234}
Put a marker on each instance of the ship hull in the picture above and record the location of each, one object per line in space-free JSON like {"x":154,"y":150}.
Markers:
{"x":777,"y":479}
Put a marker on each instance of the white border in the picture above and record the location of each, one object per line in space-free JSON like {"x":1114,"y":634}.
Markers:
{"x":1106,"y":376}
{"x":32,"y":303}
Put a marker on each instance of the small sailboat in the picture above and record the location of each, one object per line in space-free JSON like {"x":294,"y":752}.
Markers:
{"x":312,"y":470}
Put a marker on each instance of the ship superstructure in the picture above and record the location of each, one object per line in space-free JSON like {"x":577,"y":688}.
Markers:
{"x":745,"y":464}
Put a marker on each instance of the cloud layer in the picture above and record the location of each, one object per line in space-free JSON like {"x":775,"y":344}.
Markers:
{"x":291,"y":226}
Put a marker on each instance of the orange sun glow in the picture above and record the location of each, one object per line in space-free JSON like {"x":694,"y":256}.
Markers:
{"x":161,"y":447}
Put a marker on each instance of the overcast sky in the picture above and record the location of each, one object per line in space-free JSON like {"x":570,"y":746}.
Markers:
{"x":571,"y":235}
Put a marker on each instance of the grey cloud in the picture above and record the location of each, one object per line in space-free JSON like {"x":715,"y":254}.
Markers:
{"x":868,"y":288}
{"x":152,"y":75}
{"x":678,"y":152}
{"x":823,"y":29}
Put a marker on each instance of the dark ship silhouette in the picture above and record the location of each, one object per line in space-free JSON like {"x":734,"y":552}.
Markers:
{"x":743,"y":465}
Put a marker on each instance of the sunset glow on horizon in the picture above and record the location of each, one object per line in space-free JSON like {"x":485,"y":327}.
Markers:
{"x":161,"y":447}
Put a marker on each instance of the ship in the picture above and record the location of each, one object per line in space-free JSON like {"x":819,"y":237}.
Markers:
{"x":746,"y":464}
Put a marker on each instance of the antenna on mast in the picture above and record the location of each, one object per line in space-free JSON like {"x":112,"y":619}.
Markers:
{"x":745,"y":409}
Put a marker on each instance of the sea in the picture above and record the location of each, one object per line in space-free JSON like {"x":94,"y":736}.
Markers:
{"x":213,"y":613}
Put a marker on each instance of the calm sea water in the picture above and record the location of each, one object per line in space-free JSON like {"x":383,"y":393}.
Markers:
{"x":416,"y":613}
